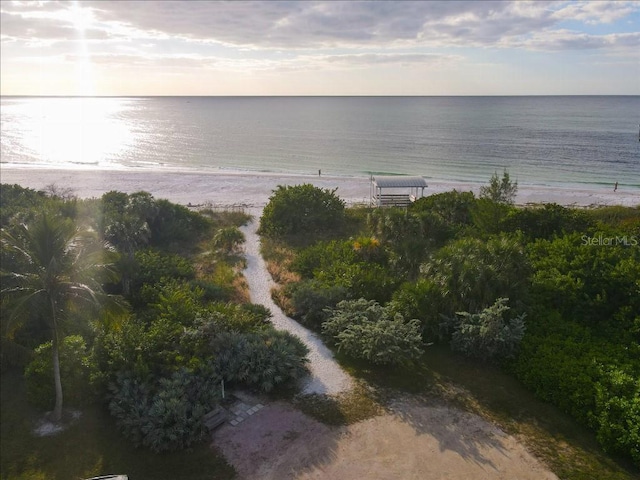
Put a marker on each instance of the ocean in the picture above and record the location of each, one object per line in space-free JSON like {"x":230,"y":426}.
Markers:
{"x":558,"y":141}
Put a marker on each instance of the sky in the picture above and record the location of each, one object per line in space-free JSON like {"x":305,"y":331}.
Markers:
{"x":320,"y":48}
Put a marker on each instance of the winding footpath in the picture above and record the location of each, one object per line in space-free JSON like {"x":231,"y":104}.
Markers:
{"x":326,"y":376}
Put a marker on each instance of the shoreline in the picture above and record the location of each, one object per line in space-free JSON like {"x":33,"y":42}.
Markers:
{"x":252,"y":189}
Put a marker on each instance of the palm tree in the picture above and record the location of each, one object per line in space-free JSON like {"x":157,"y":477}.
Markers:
{"x":53,"y":266}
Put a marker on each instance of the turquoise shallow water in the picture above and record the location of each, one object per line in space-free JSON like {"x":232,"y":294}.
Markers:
{"x":587,"y":142}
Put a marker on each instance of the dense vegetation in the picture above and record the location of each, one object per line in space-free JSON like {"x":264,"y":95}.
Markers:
{"x":136,"y":305}
{"x":550,"y":294}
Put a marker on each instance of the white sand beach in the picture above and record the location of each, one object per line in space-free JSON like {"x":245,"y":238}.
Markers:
{"x":253,"y":189}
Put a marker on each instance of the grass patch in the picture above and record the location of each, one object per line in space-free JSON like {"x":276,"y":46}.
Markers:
{"x":346,"y":408}
{"x":615,"y":214}
{"x":278,"y":257}
{"x":225,"y":218}
{"x":222,"y":268}
{"x":91,"y":446}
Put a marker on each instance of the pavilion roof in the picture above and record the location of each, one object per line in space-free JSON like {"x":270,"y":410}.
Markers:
{"x":399,"y":181}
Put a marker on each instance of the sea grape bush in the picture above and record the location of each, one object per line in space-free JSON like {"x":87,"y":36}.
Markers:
{"x":617,"y":411}
{"x":302,"y":210}
{"x":596,"y":381}
{"x":547,"y":221}
{"x":453,"y":209}
{"x":366,"y":330}
{"x":593,"y":285}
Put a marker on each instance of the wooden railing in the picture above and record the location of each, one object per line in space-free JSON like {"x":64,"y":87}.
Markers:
{"x":392,"y":200}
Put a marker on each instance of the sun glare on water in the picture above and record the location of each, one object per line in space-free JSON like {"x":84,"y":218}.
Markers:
{"x":80,"y":131}
{"x":76,"y":131}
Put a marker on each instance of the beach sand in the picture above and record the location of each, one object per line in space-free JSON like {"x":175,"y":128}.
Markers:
{"x":252,"y":190}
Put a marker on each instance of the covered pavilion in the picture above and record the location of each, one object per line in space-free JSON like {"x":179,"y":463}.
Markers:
{"x":396,"y":190}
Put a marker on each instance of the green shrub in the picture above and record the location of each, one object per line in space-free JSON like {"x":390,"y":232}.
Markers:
{"x":244,"y":318}
{"x":594,"y":380}
{"x":75,"y":370}
{"x":311,"y":298}
{"x":361,"y":280}
{"x":500,"y":190}
{"x":153,"y":265}
{"x":487,"y":335}
{"x":359,"y":267}
{"x":423,"y":301}
{"x":167,"y":415}
{"x":174,"y":225}
{"x":302,"y":210}
{"x":18,"y":201}
{"x":473,"y":273}
{"x":405,"y":236}
{"x":170,"y":298}
{"x":364,"y":329}
{"x":453,"y":208}
{"x":594,"y":284}
{"x":227,"y":240}
{"x":547,"y":221}
{"x":617,"y":412}
{"x":323,"y":256}
{"x":263,"y":360}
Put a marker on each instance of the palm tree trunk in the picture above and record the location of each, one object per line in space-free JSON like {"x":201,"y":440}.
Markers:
{"x":57,"y":409}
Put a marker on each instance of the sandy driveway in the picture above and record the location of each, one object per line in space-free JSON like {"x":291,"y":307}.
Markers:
{"x":413,"y":440}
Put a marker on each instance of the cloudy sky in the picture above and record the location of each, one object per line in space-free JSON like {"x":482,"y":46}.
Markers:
{"x":319,"y":48}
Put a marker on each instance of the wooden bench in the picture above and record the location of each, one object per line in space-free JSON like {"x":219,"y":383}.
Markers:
{"x":215,"y":418}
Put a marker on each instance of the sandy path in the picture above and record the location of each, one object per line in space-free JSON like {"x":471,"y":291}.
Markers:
{"x":326,"y":375}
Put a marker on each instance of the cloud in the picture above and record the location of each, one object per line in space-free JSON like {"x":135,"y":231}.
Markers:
{"x":372,"y":59}
{"x":559,"y":40}
{"x":596,"y":12}
{"x":17,"y":27}
{"x":44,"y":25}
{"x":305,"y":25}
{"x":244,"y":39}
{"x":132,"y":60}
{"x":332,"y":24}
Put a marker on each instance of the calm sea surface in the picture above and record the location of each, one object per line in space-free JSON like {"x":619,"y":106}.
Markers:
{"x":582,"y":141}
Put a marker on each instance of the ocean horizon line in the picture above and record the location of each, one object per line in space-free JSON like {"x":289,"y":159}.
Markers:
{"x":533,"y":95}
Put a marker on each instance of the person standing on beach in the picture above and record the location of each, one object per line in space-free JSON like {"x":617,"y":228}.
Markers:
{"x":615,"y":187}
